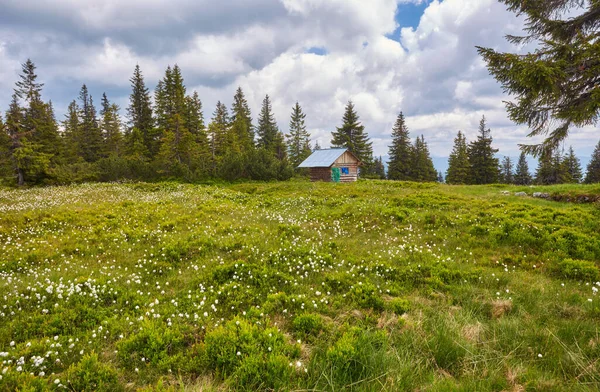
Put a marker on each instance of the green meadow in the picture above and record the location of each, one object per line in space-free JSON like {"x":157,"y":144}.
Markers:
{"x":297,"y":286}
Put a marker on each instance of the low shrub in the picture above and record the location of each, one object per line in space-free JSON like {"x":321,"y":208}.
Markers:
{"x":578,"y":270}
{"x":90,"y":375}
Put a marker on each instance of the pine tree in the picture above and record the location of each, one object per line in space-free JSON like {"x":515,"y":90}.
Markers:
{"x":379,"y":168}
{"x":110,"y":126}
{"x":522,"y":175}
{"x":38,"y":121}
{"x":558,"y":83}
{"x":72,"y":139}
{"x":29,"y":163}
{"x":459,"y":168}
{"x":423,"y":169}
{"x":178,"y":150}
{"x":139,"y":112}
{"x":484,"y":166}
{"x":593,"y":168}
{"x":91,"y":144}
{"x":400,"y":152}
{"x":571,"y":168}
{"x":352,"y":136}
{"x":194,"y":120}
{"x":506,"y":171}
{"x":269,"y":136}
{"x":241,"y":121}
{"x":267,"y":126}
{"x":298,"y":140}
{"x":550,"y":169}
{"x":317,"y":146}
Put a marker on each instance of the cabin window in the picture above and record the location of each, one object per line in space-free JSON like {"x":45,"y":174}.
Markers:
{"x":345,"y":170}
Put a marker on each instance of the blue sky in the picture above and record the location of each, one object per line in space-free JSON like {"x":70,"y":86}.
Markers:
{"x":414,"y":56}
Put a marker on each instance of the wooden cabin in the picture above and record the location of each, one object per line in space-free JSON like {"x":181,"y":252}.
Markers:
{"x":332,"y":165}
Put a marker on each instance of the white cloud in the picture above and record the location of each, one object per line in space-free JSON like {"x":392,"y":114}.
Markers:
{"x":433,"y":73}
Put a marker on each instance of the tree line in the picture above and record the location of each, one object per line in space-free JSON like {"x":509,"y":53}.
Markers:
{"x":166,"y":137}
{"x":162,"y":138}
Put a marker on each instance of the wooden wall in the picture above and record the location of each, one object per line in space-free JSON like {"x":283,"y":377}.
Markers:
{"x":320,"y":174}
{"x":348,"y":160}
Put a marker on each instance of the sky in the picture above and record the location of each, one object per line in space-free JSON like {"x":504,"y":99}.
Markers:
{"x":387,"y":56}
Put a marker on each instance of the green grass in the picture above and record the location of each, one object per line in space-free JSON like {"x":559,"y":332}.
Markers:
{"x":298,"y":286}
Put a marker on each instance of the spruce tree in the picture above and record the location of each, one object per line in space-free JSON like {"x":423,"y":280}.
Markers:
{"x":5,"y":145}
{"x":110,"y":126}
{"x":298,"y":140}
{"x":550,"y":170}
{"x":423,"y":169}
{"x":218,"y":130}
{"x":593,"y":168}
{"x":38,"y":120}
{"x":379,"y":168}
{"x":267,"y":126}
{"x":269,"y":136}
{"x":317,"y":146}
{"x":400,"y":152}
{"x":241,"y":121}
{"x":139,"y":112}
{"x":557,"y":84}
{"x":178,"y":150}
{"x":506,"y":171}
{"x":352,"y":136}
{"x":91,"y":143}
{"x":459,"y":168}
{"x":522,"y":175}
{"x":571,"y":168}
{"x":72,"y":139}
{"x":194,"y":121}
{"x":28,"y":162}
{"x":484,"y":166}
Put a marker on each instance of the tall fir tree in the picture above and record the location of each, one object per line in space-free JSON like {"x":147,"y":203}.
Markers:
{"x":352,"y":136}
{"x":506,"y":171}
{"x":38,"y":120}
{"x":110,"y":126}
{"x":522,"y":175}
{"x":218,"y":130}
{"x":459,"y":168}
{"x":139,"y":113}
{"x":178,"y":150}
{"x":28,"y":162}
{"x":400,"y":152}
{"x":269,"y":136}
{"x":423,"y":169}
{"x":71,"y":132}
{"x":194,"y":120}
{"x":571,"y":168}
{"x":484,"y":166}
{"x":298,"y":139}
{"x":593,"y":168}
{"x":91,"y":143}
{"x":241,"y":121}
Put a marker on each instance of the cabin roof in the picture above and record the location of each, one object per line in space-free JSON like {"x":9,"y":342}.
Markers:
{"x":324,"y":158}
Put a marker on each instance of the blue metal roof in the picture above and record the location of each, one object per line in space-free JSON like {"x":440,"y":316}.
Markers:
{"x":323,"y":158}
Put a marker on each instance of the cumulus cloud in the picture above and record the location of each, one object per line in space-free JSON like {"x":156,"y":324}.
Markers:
{"x":431,"y":72}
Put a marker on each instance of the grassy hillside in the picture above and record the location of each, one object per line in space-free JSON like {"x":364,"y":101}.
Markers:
{"x":297,"y":286}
